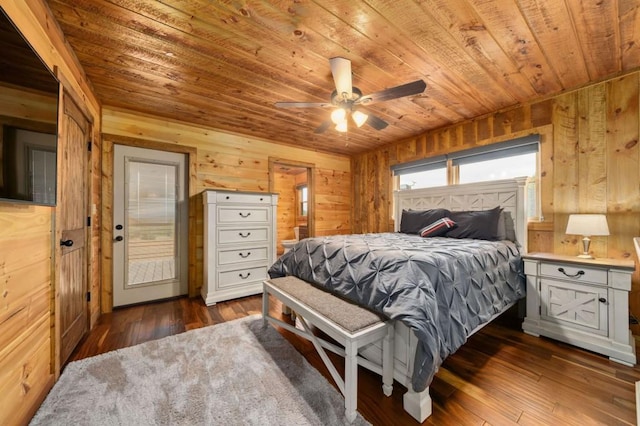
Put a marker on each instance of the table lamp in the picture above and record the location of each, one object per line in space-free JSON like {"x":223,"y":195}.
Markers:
{"x":587,"y":225}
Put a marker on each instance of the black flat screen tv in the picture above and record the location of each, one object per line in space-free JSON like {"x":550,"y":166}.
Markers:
{"x":28,"y":121}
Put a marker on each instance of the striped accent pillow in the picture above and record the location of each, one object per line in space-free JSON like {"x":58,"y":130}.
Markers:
{"x":437,"y":228}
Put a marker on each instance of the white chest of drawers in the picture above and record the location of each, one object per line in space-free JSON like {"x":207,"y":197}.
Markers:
{"x":584,"y":302}
{"x":239,"y":243}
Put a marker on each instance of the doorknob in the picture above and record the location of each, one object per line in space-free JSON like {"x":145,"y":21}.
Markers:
{"x":119,"y":238}
{"x":119,"y":227}
{"x":66,"y":243}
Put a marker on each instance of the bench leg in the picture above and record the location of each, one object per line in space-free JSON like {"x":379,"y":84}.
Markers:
{"x":351,"y":381}
{"x":387,"y":361}
{"x":265,"y":306}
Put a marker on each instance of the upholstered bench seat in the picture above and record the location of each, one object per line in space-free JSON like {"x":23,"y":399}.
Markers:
{"x":352,"y":326}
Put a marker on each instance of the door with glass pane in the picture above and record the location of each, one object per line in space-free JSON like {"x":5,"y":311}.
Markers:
{"x":150,"y":225}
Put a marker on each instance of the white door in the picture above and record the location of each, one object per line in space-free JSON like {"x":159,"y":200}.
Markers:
{"x":150,"y":211}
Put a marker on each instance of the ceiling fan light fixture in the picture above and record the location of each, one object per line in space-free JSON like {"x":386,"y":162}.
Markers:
{"x":346,"y":98}
{"x":338,"y":115}
{"x":359,"y":118}
{"x":342,"y":126}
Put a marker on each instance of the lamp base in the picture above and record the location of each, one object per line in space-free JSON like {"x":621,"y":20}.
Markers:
{"x":585,"y":248}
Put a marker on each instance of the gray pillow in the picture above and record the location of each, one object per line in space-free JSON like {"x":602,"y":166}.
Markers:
{"x":509,"y":226}
{"x":479,"y":225}
{"x":501,"y":231}
{"x":413,"y":221}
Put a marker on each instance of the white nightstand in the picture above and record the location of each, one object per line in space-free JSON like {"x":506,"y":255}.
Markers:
{"x":584,"y":302}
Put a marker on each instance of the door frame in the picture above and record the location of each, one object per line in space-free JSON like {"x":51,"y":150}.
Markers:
{"x":311,"y":171}
{"x":108,"y":141}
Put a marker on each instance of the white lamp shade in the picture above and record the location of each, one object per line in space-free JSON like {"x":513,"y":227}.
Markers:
{"x":587,"y":225}
{"x":338,"y":115}
{"x":359,"y":118}
{"x":342,"y":126}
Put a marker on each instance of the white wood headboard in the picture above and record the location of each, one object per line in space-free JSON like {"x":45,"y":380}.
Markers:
{"x":509,"y":194}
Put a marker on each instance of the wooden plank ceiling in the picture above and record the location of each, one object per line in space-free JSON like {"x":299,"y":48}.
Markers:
{"x":223,"y":64}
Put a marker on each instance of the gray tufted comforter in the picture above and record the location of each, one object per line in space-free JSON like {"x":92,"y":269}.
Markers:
{"x":441,"y":288}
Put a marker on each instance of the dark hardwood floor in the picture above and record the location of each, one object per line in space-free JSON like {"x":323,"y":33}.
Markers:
{"x":501,"y":376}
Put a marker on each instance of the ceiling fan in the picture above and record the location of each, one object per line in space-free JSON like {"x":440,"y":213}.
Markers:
{"x":346,"y":99}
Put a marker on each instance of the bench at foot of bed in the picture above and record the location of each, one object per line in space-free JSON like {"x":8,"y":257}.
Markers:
{"x":347,"y":323}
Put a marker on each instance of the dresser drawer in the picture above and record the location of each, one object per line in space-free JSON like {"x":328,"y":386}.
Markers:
{"x":242,"y":235}
{"x":241,"y":198}
{"x":241,"y":277}
{"x":253,"y":254}
{"x":240,"y":215}
{"x":578,"y":273}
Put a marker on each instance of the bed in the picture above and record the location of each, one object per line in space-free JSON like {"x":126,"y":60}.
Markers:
{"x":439,"y":290}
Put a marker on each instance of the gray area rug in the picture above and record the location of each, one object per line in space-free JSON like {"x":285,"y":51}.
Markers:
{"x":235,"y":373}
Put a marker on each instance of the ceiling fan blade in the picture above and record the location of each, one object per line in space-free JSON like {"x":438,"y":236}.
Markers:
{"x":413,"y":88}
{"x":376,"y":123}
{"x":302,"y":104}
{"x":341,"y":70}
{"x":323,"y":127}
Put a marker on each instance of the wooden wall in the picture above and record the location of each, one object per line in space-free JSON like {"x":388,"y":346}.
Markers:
{"x":589,"y":163}
{"x":28,"y":255}
{"x":227,"y":161}
{"x":25,"y":315}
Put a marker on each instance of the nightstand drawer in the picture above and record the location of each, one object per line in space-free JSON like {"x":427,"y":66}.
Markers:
{"x":577,"y":273}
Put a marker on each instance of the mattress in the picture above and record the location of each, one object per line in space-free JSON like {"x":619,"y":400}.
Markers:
{"x":441,"y":288}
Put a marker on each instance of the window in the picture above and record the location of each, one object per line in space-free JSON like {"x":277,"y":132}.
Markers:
{"x":303,"y":201}
{"x":423,"y":173}
{"x":426,"y":179}
{"x":499,"y":168}
{"x":514,"y":158}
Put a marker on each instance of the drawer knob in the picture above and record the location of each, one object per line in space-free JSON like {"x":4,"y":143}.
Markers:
{"x":245,"y":255}
{"x":244,"y":214}
{"x":244,"y":277}
{"x":244,"y":235}
{"x":602,"y":300}
{"x":576,"y":275}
